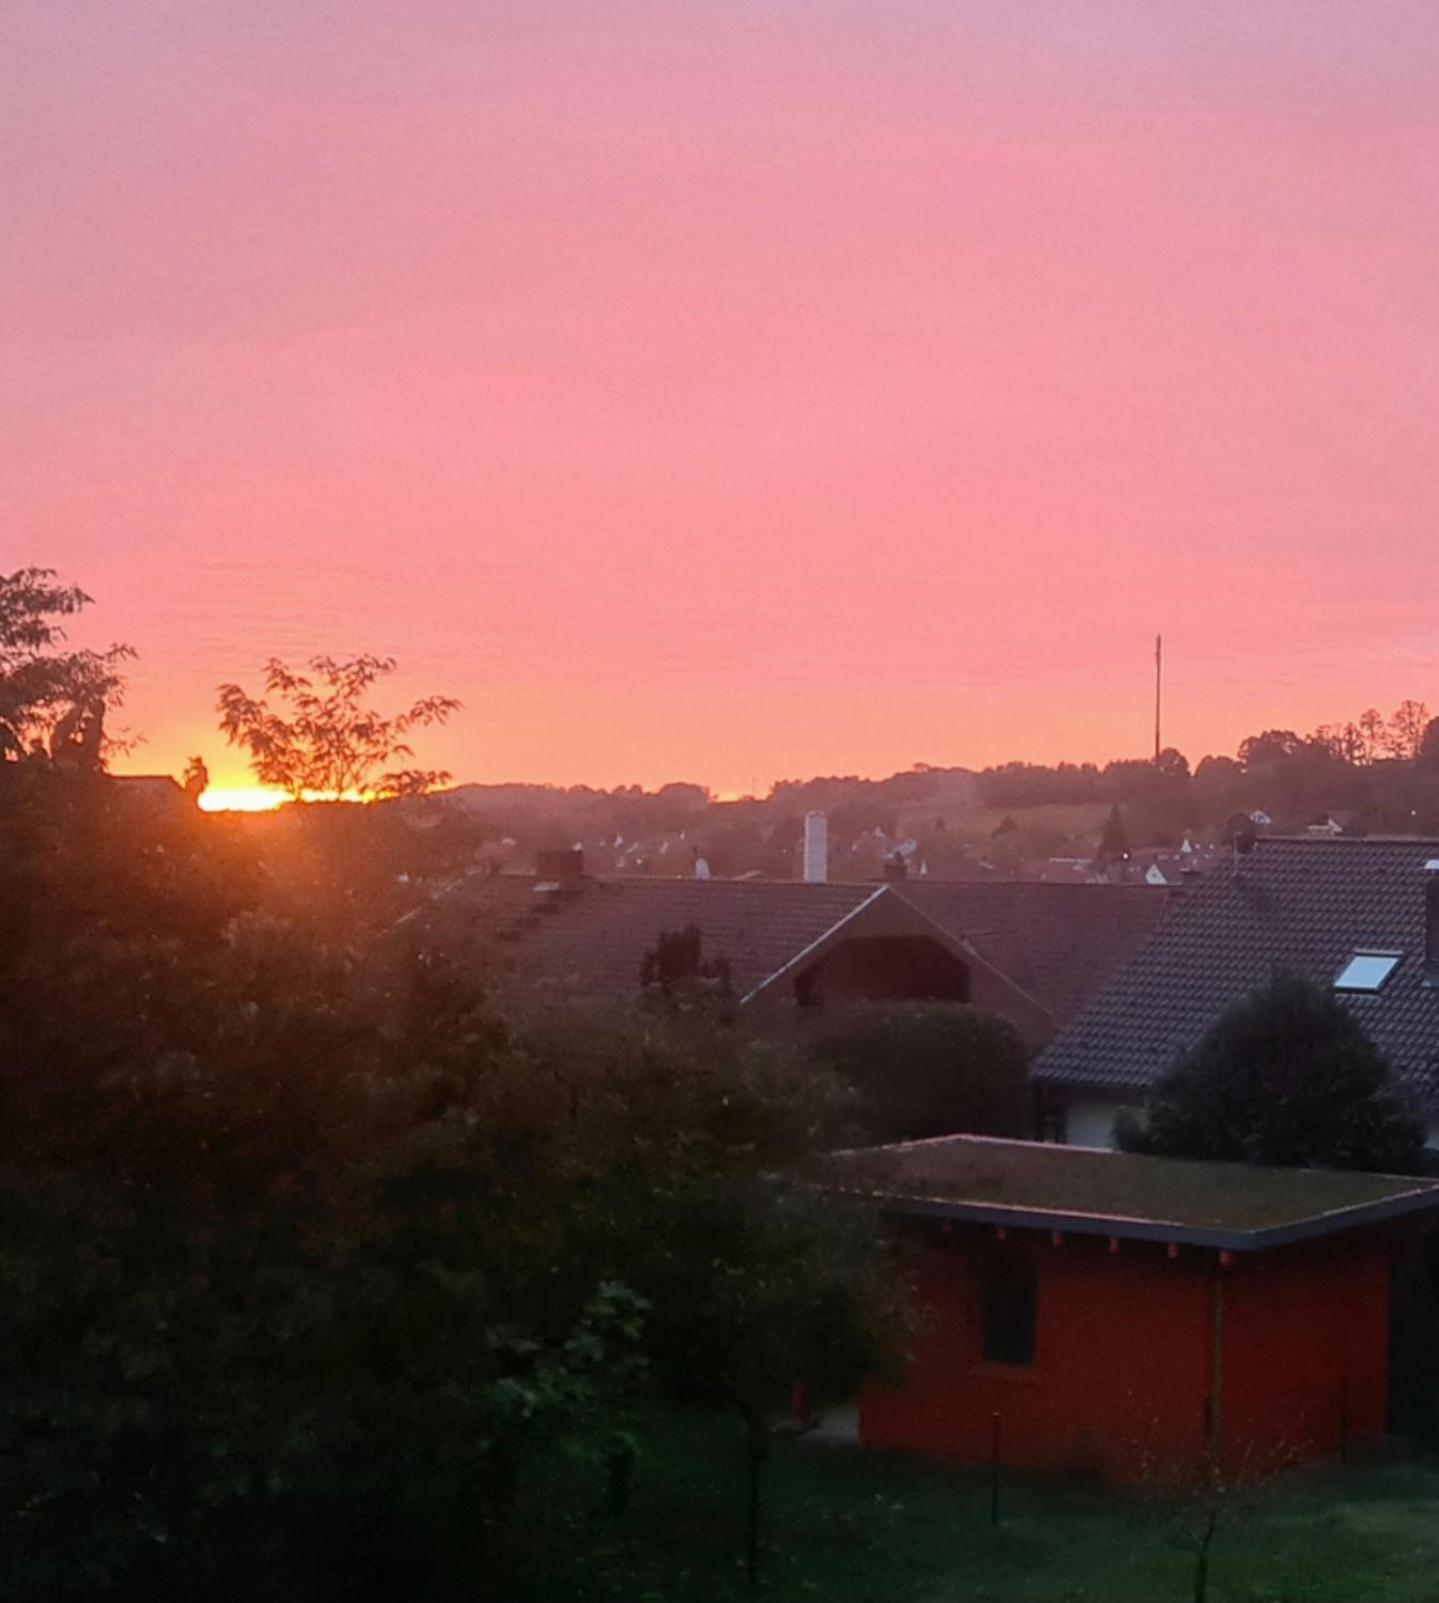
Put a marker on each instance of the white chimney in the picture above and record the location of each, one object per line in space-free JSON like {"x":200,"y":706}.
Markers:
{"x":1431,"y":920}
{"x":816,"y":848}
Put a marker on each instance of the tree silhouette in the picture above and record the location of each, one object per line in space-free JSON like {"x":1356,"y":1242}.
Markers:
{"x":1256,"y":751}
{"x":324,"y":742}
{"x":1114,"y":841}
{"x":1429,"y":742}
{"x":1407,"y":726}
{"x":52,"y":702}
{"x":197,"y":779}
{"x":1374,"y":734}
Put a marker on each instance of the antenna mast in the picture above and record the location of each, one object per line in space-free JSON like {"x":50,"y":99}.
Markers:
{"x":1158,"y":689}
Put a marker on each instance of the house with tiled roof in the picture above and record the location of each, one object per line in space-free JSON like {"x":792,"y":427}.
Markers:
{"x":1061,"y":942}
{"x":1360,"y":916}
{"x":1034,"y":953}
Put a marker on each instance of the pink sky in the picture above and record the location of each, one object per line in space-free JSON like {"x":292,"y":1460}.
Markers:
{"x":732,"y":390}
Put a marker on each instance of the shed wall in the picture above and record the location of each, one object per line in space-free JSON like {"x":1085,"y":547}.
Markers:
{"x":1306,"y":1348}
{"x":1120,"y":1366}
{"x":1121,"y":1379}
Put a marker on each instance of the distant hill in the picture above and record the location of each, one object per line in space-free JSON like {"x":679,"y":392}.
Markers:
{"x":661,"y":831}
{"x":1007,"y":821}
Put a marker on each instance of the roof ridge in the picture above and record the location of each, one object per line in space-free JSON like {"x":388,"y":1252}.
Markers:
{"x":1346,"y":840}
{"x":671,"y":880}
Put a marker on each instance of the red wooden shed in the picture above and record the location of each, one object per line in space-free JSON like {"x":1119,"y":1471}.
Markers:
{"x":1112,"y":1313}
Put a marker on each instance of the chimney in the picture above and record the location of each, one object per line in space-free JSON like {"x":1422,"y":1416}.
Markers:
{"x":895,"y":868}
{"x":1431,"y":920}
{"x":816,"y":848}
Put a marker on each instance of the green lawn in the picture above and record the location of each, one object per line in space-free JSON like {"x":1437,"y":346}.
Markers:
{"x":847,"y":1525}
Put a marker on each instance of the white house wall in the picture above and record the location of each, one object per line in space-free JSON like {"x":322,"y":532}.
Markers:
{"x":1089,"y":1121}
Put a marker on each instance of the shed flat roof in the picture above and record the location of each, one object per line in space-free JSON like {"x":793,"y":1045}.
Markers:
{"x":1087,"y":1190}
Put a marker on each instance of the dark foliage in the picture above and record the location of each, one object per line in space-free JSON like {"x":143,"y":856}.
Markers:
{"x":1286,"y":1076}
{"x":1114,"y":840}
{"x":676,"y":971}
{"x":931,"y":1069}
{"x":53,"y":701}
{"x":306,"y":1257}
{"x":316,"y":737}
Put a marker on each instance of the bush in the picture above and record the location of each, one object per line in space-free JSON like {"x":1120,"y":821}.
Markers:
{"x":932,"y":1069}
{"x":1287,"y":1077}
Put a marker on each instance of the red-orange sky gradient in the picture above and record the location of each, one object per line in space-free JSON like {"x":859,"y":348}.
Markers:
{"x":733,"y":389}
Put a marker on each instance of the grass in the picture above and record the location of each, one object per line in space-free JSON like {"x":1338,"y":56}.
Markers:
{"x":850,"y":1526}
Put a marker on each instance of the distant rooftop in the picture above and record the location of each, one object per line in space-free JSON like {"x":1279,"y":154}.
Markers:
{"x":164,"y":783}
{"x":1083,"y":1190}
{"x":148,"y":795}
{"x":1313,"y":906}
{"x":1059,"y":943}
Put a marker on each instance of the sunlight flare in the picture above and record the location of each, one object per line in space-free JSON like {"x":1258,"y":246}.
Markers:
{"x":249,"y":799}
{"x":265,"y":799}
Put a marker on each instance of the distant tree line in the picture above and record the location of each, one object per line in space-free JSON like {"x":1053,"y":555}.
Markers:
{"x":1019,"y":784}
{"x":1381,"y":772}
{"x":1384,"y":770}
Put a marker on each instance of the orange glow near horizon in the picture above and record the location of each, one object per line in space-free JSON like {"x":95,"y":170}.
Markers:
{"x":252,"y":799}
{"x":734,"y":391}
{"x":263,"y":799}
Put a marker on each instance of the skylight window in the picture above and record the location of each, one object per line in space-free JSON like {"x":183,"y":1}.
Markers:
{"x":1367,"y":971}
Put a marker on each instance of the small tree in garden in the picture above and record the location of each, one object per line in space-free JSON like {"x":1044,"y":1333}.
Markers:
{"x":764,"y":1285}
{"x":674,"y":1139}
{"x":1192,"y":1505}
{"x":1287,"y":1076}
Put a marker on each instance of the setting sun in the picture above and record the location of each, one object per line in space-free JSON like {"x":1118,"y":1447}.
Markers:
{"x":265,"y":799}
{"x":247,"y":799}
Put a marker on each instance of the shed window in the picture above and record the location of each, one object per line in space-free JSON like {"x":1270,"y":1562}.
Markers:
{"x":1008,"y":1287}
{"x":1367,"y":971}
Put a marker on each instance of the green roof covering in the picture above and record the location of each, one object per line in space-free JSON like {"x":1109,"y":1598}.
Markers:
{"x":1036,"y":1185}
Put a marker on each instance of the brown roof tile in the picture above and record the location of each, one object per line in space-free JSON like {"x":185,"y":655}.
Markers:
{"x":592,"y":940}
{"x":1300,"y":905}
{"x":1058,"y":943}
{"x":1061,"y":943}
